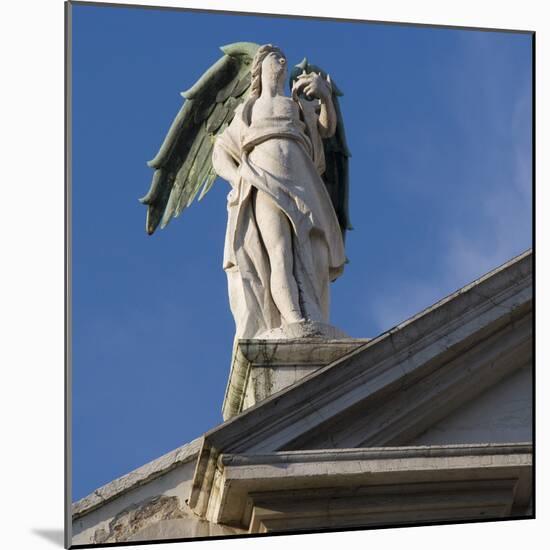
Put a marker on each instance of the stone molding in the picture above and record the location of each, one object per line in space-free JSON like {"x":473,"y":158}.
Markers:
{"x":318,"y":477}
{"x":375,"y":453}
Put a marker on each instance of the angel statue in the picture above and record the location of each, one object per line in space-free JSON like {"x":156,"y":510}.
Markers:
{"x":286,"y":159}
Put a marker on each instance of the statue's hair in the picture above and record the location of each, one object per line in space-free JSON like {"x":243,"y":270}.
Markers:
{"x":256,"y":69}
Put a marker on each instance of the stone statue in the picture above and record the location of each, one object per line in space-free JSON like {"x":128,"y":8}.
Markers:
{"x":286,"y":159}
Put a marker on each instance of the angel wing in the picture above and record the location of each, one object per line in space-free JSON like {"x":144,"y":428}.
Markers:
{"x":184,"y":162}
{"x":336,"y":176}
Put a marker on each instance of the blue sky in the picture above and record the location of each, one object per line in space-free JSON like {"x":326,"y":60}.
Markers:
{"x":439,"y":125}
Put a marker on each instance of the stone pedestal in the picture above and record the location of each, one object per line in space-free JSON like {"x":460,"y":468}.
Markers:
{"x":260,"y":368}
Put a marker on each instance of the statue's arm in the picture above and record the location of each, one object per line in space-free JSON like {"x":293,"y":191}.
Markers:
{"x":314,"y":85}
{"x":327,"y":117}
{"x":224,"y":164}
{"x":226,"y":154}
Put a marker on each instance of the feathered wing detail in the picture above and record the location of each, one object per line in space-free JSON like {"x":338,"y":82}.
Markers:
{"x":336,"y":176}
{"x":184,"y":162}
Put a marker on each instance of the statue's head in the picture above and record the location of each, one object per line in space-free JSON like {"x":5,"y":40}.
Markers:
{"x":269,"y":60}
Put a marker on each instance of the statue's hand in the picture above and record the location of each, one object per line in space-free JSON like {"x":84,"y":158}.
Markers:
{"x":312,"y":85}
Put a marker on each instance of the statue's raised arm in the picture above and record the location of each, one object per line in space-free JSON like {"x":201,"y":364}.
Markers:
{"x":286,"y":160}
{"x":337,"y":154}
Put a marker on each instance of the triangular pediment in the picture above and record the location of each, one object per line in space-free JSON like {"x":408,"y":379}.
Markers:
{"x":394,"y":388}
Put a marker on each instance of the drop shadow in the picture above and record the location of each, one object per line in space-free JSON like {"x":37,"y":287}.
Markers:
{"x":53,"y":535}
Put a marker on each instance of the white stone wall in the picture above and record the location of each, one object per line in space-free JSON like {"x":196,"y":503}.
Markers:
{"x":175,"y":483}
{"x":500,"y":415}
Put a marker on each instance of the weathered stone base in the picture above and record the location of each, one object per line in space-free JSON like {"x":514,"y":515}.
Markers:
{"x":306,"y":329}
{"x":260,"y":368}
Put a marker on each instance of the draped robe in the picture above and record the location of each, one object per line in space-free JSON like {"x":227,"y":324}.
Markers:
{"x":293,"y":181}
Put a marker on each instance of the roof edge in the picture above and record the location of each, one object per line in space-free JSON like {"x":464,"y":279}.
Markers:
{"x":136,"y":478}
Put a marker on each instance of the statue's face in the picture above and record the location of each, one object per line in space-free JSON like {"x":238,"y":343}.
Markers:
{"x":274,"y":66}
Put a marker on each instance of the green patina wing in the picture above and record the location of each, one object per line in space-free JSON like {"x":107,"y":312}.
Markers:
{"x":184,"y":162}
{"x":336,"y":176}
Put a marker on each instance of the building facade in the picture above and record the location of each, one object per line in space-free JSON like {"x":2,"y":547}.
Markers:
{"x":429,"y":422}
